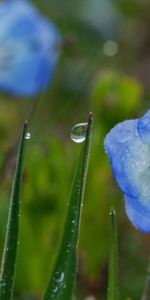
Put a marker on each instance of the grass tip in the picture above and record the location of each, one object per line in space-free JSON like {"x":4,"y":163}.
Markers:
{"x":25,"y":124}
{"x":90,"y":116}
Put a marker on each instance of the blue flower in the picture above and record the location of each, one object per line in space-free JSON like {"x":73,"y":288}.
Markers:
{"x":29,"y":47}
{"x":128,"y":148}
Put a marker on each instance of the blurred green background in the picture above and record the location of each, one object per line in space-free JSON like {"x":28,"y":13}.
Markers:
{"x":104,"y":67}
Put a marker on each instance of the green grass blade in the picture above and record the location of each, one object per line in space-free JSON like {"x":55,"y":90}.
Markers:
{"x":61,"y":285}
{"x":113,"y":259}
{"x":11,"y":241}
{"x":146,"y":293}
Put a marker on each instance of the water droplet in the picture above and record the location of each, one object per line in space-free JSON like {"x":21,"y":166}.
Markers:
{"x":55,"y":289}
{"x":59,"y":276}
{"x":78,"y":132}
{"x":28,"y":136}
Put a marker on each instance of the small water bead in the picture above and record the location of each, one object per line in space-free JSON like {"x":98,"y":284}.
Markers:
{"x":28,"y":136}
{"x":55,"y":289}
{"x":78,"y":132}
{"x":2,"y":283}
{"x":59,"y":276}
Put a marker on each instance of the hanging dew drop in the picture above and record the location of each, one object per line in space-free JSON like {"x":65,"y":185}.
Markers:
{"x":78,"y":132}
{"x":28,"y":136}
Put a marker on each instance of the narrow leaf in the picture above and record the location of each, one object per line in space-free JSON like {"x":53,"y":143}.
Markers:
{"x":61,"y":285}
{"x":146,"y":293}
{"x":113,"y":258}
{"x":7,"y":276}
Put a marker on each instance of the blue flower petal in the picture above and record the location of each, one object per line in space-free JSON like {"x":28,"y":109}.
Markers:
{"x":143,"y":128}
{"x":116,"y":145}
{"x":139,"y":218}
{"x":28,"y":48}
{"x":129,"y":157}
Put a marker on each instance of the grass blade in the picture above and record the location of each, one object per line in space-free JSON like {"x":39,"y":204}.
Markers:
{"x":11,"y":241}
{"x":113,"y":259}
{"x":61,"y":284}
{"x":146,"y":293}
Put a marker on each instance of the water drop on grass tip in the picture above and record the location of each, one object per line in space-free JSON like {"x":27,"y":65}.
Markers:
{"x":78,"y":132}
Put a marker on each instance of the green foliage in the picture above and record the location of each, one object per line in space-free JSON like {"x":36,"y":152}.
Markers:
{"x":61,"y":284}
{"x":63,"y":279}
{"x":44,"y":203}
{"x":113,"y":258}
{"x":115,"y":97}
{"x":8,"y":268}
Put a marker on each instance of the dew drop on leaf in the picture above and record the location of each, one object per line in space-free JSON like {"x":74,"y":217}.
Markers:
{"x":59,"y":276}
{"x":55,"y":289}
{"x":78,"y":132}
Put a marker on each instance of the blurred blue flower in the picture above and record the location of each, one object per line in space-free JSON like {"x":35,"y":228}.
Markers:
{"x":128,"y":149}
{"x":29,"y":46}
